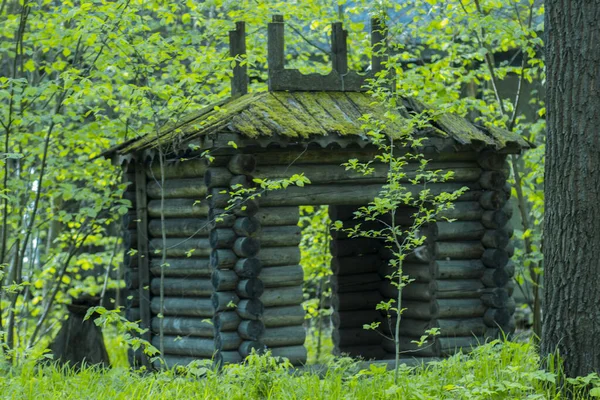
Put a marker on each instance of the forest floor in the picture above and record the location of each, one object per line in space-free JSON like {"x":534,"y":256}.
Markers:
{"x":498,"y":370}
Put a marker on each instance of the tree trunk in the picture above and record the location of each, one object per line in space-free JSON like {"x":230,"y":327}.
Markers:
{"x":571,"y":321}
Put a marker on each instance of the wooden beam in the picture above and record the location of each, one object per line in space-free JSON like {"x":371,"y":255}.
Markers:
{"x":141,"y":204}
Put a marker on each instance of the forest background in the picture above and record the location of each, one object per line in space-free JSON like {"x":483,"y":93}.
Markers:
{"x":78,"y":77}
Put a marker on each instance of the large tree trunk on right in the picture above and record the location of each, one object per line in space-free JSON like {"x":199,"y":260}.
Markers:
{"x":571,"y":320}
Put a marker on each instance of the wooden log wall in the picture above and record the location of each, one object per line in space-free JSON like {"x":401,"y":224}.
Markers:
{"x":239,"y":269}
{"x":264,"y":264}
{"x":355,"y":287}
{"x":459,"y":274}
{"x":190,"y":306}
{"x":446,"y":272}
{"x":498,"y":273}
{"x":130,"y":259}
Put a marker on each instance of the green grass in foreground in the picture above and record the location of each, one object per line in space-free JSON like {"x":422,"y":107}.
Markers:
{"x":494,"y":371}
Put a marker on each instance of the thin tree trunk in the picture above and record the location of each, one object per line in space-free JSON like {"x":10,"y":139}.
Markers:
{"x":571,"y":321}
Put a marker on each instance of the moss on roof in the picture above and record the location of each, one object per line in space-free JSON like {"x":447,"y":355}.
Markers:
{"x":307,"y":114}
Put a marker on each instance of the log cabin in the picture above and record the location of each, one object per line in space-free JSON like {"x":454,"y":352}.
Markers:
{"x":231,"y":280}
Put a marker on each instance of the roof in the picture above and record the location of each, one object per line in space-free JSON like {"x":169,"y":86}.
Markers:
{"x":303,"y":115}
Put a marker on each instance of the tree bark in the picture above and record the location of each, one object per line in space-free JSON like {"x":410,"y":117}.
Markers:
{"x":571,"y":321}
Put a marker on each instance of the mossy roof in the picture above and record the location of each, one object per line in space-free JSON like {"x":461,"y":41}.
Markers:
{"x":303,"y":115}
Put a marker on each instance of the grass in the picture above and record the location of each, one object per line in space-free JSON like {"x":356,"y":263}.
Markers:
{"x":499,"y":370}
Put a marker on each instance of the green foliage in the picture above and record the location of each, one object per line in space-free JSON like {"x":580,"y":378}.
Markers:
{"x":498,"y":370}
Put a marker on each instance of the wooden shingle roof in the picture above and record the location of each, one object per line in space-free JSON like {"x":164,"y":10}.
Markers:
{"x":303,"y":115}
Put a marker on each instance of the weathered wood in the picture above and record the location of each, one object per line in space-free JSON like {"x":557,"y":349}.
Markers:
{"x":492,"y":199}
{"x":463,"y":211}
{"x":448,"y":327}
{"x":287,"y":275}
{"x":250,"y":309}
{"x":223,"y":301}
{"x":181,"y":267}
{"x":356,"y":264}
{"x":227,"y":340}
{"x":452,"y":345}
{"x":365,"y":352}
{"x":192,"y":168}
{"x":495,"y":219}
{"x":446,"y":289}
{"x":181,"y":247}
{"x":226,"y":321}
{"x":247,"y":207}
{"x":279,"y":236}
{"x":425,"y":310}
{"x":354,"y":247}
{"x":491,"y":160}
{"x":142,"y":211}
{"x":221,"y":218}
{"x":339,"y":48}
{"x":283,"y":296}
{"x":495,"y":238}
{"x":178,"y":208}
{"x":461,"y":327}
{"x":217,"y":177}
{"x":177,"y":188}
{"x":269,"y":236}
{"x":248,"y":267}
{"x":251,"y":329}
{"x":352,"y":194}
{"x":242,"y":164}
{"x":496,"y":297}
{"x":184,"y":326}
{"x":283,"y":336}
{"x":460,"y":308}
{"x":248,"y":345}
{"x":222,"y":238}
{"x":355,"y":283}
{"x":246,"y":247}
{"x":499,"y":317}
{"x":283,"y":316}
{"x":454,"y":269}
{"x":182,"y":287}
{"x":132,"y":279}
{"x":412,"y":291}
{"x":459,"y":288}
{"x":237,"y":48}
{"x":247,"y":226}
{"x":494,"y":258}
{"x":182,"y":228}
{"x":296,"y":355}
{"x":186,"y":346}
{"x":357,"y":301}
{"x":277,"y":216}
{"x":356,"y":318}
{"x":250,"y":288}
{"x":241,"y":181}
{"x":355,"y":337}
{"x":337,"y":174}
{"x":273,"y":256}
{"x":222,"y":259}
{"x":179,"y":170}
{"x":228,"y":357}
{"x":132,"y":314}
{"x":191,"y":307}
{"x":498,"y":277}
{"x":224,"y":280}
{"x":459,"y":230}
{"x":492,"y":180}
{"x":429,"y":349}
{"x":458,"y":250}
{"x":318,"y":155}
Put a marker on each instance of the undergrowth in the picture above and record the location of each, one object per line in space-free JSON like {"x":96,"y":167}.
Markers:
{"x":499,"y":370}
